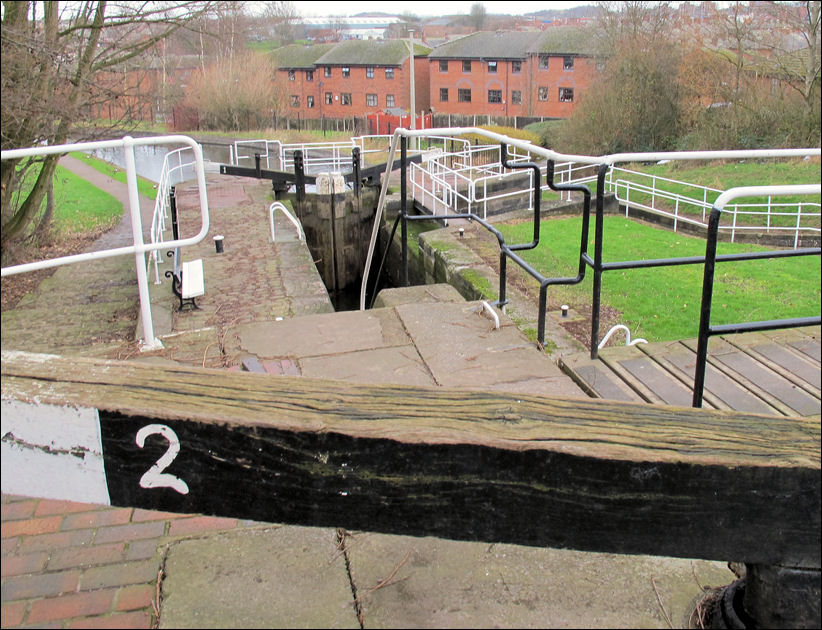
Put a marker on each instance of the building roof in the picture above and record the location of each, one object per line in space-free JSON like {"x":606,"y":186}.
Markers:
{"x":516,"y":44}
{"x":487,"y":45}
{"x":299,"y":55}
{"x":568,"y":40}
{"x":367,"y":53}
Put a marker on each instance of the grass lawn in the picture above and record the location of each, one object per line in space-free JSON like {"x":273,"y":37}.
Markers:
{"x":662,"y":304}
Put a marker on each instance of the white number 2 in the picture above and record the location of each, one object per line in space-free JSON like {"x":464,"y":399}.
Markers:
{"x":154,"y":477}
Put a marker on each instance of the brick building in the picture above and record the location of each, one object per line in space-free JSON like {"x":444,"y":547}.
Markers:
{"x":351,"y":78}
{"x":514,"y":73}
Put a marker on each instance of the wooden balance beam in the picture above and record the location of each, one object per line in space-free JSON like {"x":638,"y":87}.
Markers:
{"x":584,"y":474}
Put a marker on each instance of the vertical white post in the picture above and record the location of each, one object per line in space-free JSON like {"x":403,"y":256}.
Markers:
{"x":413,"y":95}
{"x":149,"y":342}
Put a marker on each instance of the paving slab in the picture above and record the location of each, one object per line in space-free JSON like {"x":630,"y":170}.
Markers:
{"x":283,"y":577}
{"x":408,"y":582}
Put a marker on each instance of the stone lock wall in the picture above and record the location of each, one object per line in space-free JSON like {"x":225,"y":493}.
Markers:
{"x":337,"y":226}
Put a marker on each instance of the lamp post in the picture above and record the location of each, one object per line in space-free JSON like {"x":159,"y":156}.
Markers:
{"x":413,"y":92}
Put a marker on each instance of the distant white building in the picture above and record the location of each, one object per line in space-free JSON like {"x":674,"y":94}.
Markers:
{"x":349,"y":27}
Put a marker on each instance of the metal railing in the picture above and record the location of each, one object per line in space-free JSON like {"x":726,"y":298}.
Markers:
{"x":596,"y":263}
{"x":170,"y":176}
{"x":653,"y":193}
{"x":139,"y":248}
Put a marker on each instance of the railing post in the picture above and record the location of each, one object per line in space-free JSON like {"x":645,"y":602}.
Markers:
{"x":403,"y":207}
{"x":139,"y":257}
{"x":705,"y":307}
{"x":597,"y":280}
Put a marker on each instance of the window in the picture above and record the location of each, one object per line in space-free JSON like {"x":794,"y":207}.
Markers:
{"x":516,"y":97}
{"x":516,"y":67}
{"x":309,"y":75}
{"x":291,"y":75}
{"x":443,"y":95}
{"x":329,"y":98}
{"x":464,"y":96}
{"x":543,"y":93}
{"x":295,"y":100}
{"x":466,"y":66}
{"x":309,"y":101}
{"x":389,"y":100}
{"x":371,"y":100}
{"x":495,"y":96}
{"x":327,"y":71}
{"x":345,"y":98}
{"x":346,"y":72}
{"x":369,"y":73}
{"x":566,"y":95}
{"x":443,"y":65}
{"x":492,"y":67}
{"x":389,"y":73}
{"x":543,"y":62}
{"x":567,"y":63}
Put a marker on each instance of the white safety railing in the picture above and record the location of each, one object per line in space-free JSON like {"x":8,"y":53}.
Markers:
{"x":653,"y":193}
{"x":278,"y":205}
{"x":244,"y":150}
{"x":178,"y":166}
{"x":139,"y":249}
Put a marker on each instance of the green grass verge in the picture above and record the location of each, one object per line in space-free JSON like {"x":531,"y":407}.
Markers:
{"x":146,"y":187}
{"x":80,"y":207}
{"x":662,"y":304}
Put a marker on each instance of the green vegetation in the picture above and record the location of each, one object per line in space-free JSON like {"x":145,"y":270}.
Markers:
{"x":662,"y":304}
{"x":79,"y":207}
{"x":146,"y":187}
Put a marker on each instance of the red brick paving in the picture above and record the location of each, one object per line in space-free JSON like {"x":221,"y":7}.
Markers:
{"x":76,"y":565}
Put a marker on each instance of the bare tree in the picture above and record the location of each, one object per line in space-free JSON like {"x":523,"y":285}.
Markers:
{"x":477,"y":16}
{"x":283,"y":18}
{"x":53,"y":59}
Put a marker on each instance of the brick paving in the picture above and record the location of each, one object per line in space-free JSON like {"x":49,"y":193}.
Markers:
{"x":77,"y":565}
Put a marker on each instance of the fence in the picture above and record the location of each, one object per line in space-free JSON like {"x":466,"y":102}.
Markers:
{"x":139,"y":248}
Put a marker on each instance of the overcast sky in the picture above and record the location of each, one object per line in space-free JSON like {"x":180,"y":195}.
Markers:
{"x":315,"y":8}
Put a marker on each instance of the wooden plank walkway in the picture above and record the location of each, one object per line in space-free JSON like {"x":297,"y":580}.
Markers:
{"x":774,"y":372}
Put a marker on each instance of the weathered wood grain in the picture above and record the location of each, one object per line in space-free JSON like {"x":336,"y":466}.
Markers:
{"x":578,"y":473}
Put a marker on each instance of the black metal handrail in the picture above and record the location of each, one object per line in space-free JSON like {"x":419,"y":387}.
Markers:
{"x":598,"y":266}
{"x":706,"y":331}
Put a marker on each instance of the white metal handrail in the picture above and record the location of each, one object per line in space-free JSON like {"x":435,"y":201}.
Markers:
{"x":278,"y":205}
{"x":139,"y":248}
{"x":169,"y":176}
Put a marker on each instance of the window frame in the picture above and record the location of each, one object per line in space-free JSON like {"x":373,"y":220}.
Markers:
{"x":292,"y":76}
{"x":544,"y":61}
{"x":492,"y":65}
{"x":329,"y":98}
{"x":516,"y":66}
{"x":369,"y":72}
{"x":309,"y":75}
{"x":516,"y":97}
{"x":443,"y":65}
{"x":389,"y":73}
{"x":295,"y":100}
{"x":390,"y":101}
{"x":542,"y":93}
{"x":309,"y":101}
{"x":563,"y":93}
{"x":327,"y":71}
{"x":565,"y":63}
{"x":346,"y":72}
{"x":371,"y":100}
{"x":466,"y":65}
{"x":497,"y":94}
{"x":463,"y":95}
{"x":443,"y":92}
{"x":346,"y":96}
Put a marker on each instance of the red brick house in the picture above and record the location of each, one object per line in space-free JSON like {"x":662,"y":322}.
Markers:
{"x":351,"y":78}
{"x":512,"y":73}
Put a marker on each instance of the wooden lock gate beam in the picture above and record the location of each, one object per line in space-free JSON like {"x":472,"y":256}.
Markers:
{"x":583,"y":474}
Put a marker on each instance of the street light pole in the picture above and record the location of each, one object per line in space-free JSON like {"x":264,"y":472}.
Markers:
{"x":413,"y":86}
